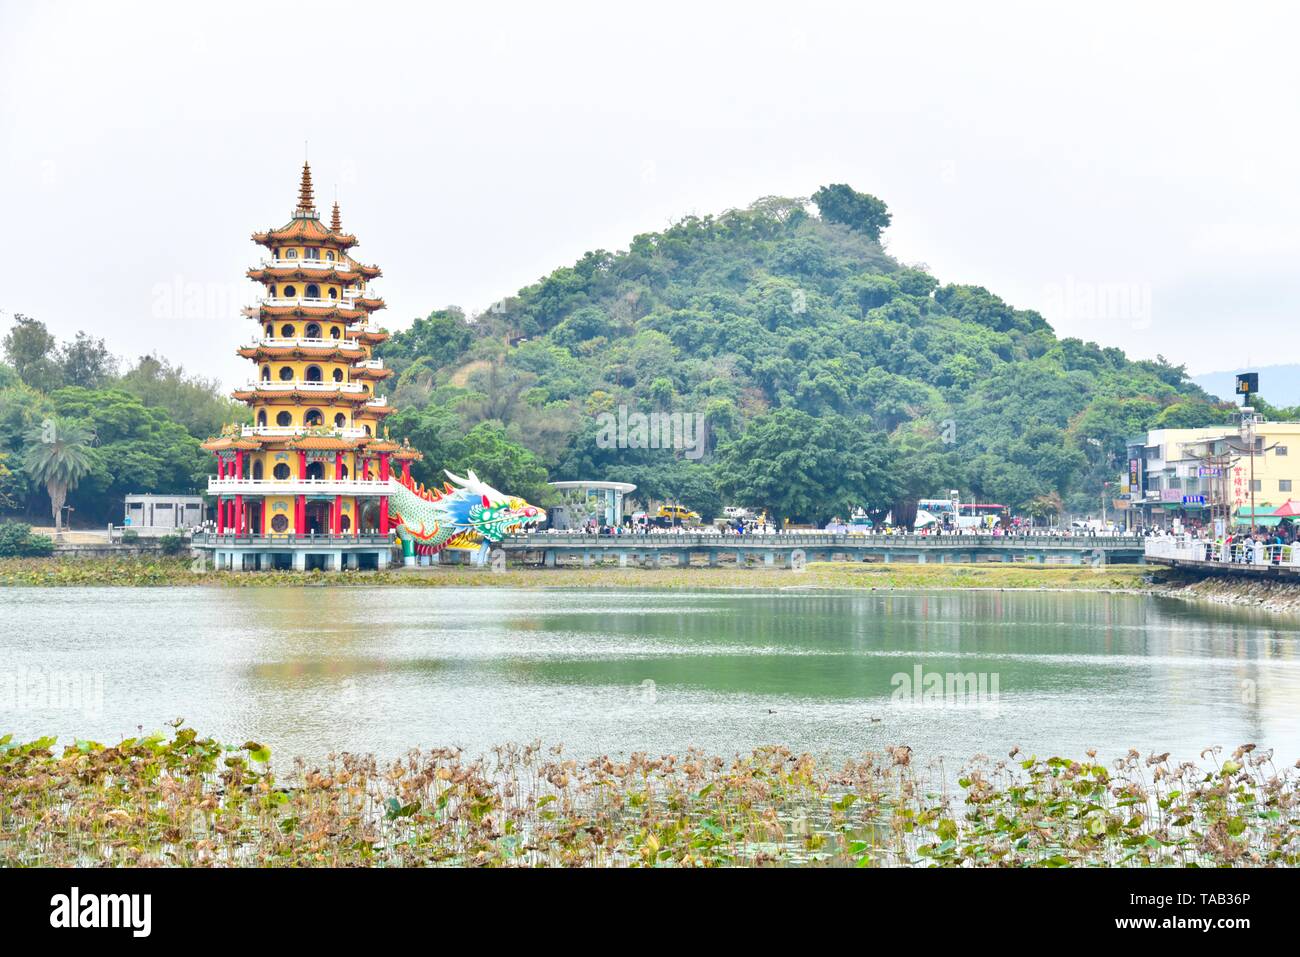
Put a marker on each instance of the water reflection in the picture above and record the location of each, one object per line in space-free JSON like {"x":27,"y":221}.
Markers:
{"x":310,"y":670}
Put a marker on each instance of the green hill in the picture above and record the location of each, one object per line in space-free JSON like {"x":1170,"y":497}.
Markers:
{"x":831,"y":375}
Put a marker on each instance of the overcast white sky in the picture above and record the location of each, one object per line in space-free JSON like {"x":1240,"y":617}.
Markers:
{"x":1129,"y":170}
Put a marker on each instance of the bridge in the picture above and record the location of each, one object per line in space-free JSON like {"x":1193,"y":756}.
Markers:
{"x":1243,"y":559}
{"x":793,"y":549}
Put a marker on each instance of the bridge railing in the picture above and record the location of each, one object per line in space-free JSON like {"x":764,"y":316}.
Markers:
{"x":1259,"y":554}
{"x":675,"y":539}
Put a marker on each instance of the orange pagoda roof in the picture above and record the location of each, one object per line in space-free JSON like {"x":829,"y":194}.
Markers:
{"x":340,"y":353}
{"x":299,"y":395}
{"x":232,"y":443}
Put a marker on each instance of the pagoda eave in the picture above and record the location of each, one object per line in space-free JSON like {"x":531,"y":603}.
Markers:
{"x":262,"y":353}
{"x":298,"y":396}
{"x":299,"y":274}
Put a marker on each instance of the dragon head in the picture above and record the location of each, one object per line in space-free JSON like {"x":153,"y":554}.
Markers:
{"x":494,"y":515}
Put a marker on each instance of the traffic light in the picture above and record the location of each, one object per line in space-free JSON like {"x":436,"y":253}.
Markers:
{"x":1247,"y":383}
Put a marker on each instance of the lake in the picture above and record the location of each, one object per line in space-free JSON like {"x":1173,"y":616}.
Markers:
{"x":311,"y":670}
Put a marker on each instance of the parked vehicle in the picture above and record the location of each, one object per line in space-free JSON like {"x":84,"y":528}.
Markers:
{"x":676,"y":515}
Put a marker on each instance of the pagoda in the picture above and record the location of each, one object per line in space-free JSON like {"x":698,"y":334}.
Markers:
{"x":305,"y":485}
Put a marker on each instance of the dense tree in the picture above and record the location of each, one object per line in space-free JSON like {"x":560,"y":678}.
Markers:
{"x":86,"y":361}
{"x":799,"y":467}
{"x":33,"y":353}
{"x":196,"y":403}
{"x":839,"y":203}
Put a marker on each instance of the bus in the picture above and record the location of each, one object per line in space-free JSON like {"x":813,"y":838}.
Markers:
{"x":953,"y":513}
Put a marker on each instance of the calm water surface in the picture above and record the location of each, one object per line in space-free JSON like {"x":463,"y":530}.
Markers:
{"x":310,"y":670}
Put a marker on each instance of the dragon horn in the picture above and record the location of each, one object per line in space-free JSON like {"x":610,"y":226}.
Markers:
{"x":456,"y":478}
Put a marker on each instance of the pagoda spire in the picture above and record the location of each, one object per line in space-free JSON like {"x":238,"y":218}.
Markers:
{"x":336,"y":221}
{"x":306,"y":200}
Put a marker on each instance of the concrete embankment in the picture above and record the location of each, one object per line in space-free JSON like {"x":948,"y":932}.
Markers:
{"x":1271,"y":595}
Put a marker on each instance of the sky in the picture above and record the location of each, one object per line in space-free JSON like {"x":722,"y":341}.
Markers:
{"x":1128,"y":170}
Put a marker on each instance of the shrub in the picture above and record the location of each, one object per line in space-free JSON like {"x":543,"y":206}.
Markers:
{"x":172,"y":544}
{"x":17,"y":541}
{"x":130,"y":535}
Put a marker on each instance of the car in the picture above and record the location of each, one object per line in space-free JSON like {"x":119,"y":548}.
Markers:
{"x":677,"y":513}
{"x":736,"y":511}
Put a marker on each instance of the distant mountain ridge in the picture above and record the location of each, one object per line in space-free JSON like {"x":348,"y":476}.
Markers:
{"x":1279,"y":384}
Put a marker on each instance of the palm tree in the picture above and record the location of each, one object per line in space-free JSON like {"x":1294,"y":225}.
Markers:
{"x":58,"y":456}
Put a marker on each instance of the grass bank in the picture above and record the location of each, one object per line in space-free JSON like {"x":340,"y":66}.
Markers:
{"x":49,"y":572}
{"x":185,"y":800}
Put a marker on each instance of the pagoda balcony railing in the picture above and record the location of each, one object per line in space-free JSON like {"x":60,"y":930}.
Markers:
{"x":299,"y":486}
{"x":347,"y":302}
{"x":369,"y":364}
{"x":275,"y":343}
{"x":278,"y":385}
{"x":281,"y":431}
{"x":378,"y":400}
{"x":316,"y":539}
{"x":323,"y":264}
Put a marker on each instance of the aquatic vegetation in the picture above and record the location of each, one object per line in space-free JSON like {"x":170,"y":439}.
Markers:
{"x":161,"y":570}
{"x":186,"y":800}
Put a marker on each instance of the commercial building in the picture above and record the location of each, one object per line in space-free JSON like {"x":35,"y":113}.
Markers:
{"x":1198,"y":475}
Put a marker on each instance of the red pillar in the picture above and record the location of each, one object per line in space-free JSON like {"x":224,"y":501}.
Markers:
{"x":239,"y":463}
{"x":383,"y":515}
{"x":384,"y":470}
{"x":338,"y":466}
{"x":221,"y":514}
{"x":221,"y":467}
{"x":239,"y":513}
{"x":406,"y":471}
{"x":300,"y":515}
{"x":302,"y":465}
{"x":266,"y":516}
{"x":336,"y":518}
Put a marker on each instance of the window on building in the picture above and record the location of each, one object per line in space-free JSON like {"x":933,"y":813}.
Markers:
{"x":1257,"y":485}
{"x":313,"y":374}
{"x":283,"y":419}
{"x":279,"y":523}
{"x":286,"y":331}
{"x":286,"y":373}
{"x":266,"y":373}
{"x":313,"y":253}
{"x":281,"y":471}
{"x":261,"y":418}
{"x":1284,"y":485}
{"x":291,"y":254}
{"x":313,"y":291}
{"x":367,"y":428}
{"x":270,"y":331}
{"x":329,"y":255}
{"x":338,"y":375}
{"x":1279,"y":450}
{"x":334,"y":330}
{"x":290,"y":292}
{"x":257,"y":470}
{"x":340,"y":421}
{"x":314,"y":418}
{"x":313,"y":330}
{"x":316,"y":471}
{"x":334,"y":293}
{"x":345,"y":522}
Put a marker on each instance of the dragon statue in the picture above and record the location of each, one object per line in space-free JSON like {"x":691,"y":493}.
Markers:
{"x":466,"y":515}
